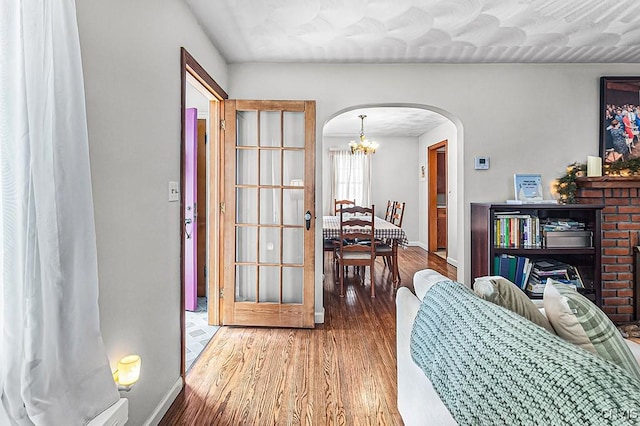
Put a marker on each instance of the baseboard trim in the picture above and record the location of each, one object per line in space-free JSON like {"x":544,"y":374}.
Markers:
{"x":418,"y":244}
{"x":164,"y":404}
{"x":451,"y":261}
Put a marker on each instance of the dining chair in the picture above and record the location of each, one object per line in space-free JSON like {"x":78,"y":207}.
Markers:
{"x":356,"y":224}
{"x":390,"y":207}
{"x":338,"y":203}
{"x":385,"y":249}
{"x":329,"y":244}
{"x":398,"y":214}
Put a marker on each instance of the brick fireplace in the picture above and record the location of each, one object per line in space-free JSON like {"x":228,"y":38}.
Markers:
{"x":620,"y":236}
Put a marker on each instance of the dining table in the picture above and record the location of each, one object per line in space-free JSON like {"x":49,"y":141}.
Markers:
{"x":383,"y":230}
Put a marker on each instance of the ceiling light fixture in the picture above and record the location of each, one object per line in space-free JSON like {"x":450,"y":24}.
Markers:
{"x":363,"y":145}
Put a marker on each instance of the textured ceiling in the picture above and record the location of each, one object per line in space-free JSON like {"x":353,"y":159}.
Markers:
{"x":383,"y":121}
{"x":422,"y":31}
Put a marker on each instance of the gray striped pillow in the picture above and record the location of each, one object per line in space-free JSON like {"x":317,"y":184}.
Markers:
{"x":577,"y":320}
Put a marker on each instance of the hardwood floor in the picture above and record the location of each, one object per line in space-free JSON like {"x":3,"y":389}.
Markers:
{"x":343,"y":372}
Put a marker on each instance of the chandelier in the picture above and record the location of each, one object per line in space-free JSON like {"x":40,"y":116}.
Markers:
{"x":363,"y":145}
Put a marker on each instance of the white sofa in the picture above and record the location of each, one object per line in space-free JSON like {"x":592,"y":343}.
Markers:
{"x":418,"y":402}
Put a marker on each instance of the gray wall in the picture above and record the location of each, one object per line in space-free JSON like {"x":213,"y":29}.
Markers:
{"x":131,"y":61}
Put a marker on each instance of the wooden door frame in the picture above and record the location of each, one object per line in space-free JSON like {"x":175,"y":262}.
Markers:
{"x":432,"y":195}
{"x":189,"y":65}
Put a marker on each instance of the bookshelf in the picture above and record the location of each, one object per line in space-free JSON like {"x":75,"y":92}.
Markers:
{"x":485,"y":244}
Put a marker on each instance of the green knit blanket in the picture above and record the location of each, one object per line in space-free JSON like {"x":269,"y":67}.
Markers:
{"x":491,"y":366}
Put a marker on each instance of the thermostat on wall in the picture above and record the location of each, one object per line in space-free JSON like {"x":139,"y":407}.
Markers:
{"x":482,"y":163}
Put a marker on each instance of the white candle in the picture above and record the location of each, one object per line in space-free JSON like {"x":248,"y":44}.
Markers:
{"x":594,"y":166}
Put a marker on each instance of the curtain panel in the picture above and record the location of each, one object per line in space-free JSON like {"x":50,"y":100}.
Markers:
{"x":53,"y":365}
{"x":351,"y":178}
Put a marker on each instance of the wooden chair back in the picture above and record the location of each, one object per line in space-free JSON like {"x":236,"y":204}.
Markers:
{"x":389,"y":213}
{"x":398,"y":214}
{"x":344,"y":203}
{"x":356,"y":224}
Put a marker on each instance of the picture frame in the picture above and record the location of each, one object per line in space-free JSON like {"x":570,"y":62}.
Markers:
{"x":528,"y":187}
{"x":619,"y":98}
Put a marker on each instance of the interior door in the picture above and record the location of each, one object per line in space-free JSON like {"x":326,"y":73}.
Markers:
{"x":201,"y":208}
{"x":269,"y":204}
{"x":190,"y":200}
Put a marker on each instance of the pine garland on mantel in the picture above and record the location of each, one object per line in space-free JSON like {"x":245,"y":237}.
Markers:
{"x":566,"y":185}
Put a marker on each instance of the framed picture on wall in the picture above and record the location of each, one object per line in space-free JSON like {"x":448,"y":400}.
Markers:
{"x":619,"y":118}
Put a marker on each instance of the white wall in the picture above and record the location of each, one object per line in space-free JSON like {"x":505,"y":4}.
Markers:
{"x":448,"y":132}
{"x":131,"y":61}
{"x":394,"y":177}
{"x":527,"y":118}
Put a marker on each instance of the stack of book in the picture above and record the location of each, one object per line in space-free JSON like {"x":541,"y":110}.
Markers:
{"x":514,"y":230}
{"x":514,"y":268}
{"x":531,"y":275}
{"x":545,"y":269}
{"x":562,"y":225}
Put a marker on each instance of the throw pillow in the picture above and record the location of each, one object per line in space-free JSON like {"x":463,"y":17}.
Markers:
{"x":502,"y":292}
{"x":577,"y":320}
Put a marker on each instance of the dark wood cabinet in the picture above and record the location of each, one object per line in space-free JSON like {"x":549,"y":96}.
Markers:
{"x":588,"y":260}
{"x":442,"y":228}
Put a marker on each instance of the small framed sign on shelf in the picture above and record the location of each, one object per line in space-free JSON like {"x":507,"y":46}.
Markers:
{"x":528,"y":188}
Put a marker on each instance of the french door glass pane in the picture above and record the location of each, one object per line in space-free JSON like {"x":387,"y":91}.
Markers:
{"x":270,"y":134}
{"x":247,"y":128}
{"x":293,"y":167}
{"x":246,"y":243}
{"x":270,"y":167}
{"x":294,"y":129}
{"x":270,"y":206}
{"x":269,"y":284}
{"x":292,"y":246}
{"x":247,"y":205}
{"x":292,"y":207}
{"x":269,"y":245}
{"x":246,"y":167}
{"x":292,"y":280}
{"x":246,"y":283}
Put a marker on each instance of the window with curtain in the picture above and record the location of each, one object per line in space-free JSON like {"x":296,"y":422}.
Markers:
{"x":351,"y":178}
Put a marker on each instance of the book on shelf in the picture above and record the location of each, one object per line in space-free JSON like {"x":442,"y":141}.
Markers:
{"x":514,"y":268}
{"x":514,"y":230}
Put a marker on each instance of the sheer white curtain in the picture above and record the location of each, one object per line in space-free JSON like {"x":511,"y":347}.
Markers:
{"x":53,"y":366}
{"x":351,"y":178}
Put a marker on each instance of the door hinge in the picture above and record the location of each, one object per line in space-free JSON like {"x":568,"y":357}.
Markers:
{"x":223,"y":208}
{"x":205,"y":272}
{"x":206,"y":138}
{"x":223,"y":125}
{"x":221,"y":293}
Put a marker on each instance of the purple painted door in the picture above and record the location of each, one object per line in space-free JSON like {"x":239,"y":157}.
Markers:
{"x":190,"y":203}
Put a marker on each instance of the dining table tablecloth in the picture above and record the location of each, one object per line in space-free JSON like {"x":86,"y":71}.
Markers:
{"x":383,"y":230}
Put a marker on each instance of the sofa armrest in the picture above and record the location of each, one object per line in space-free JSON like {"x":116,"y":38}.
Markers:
{"x":425,"y":279}
{"x":418,"y":402}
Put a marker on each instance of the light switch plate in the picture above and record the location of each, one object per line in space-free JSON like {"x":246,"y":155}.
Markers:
{"x":174,"y":191}
{"x":481,"y":163}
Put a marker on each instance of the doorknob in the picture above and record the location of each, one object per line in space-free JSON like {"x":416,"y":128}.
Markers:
{"x":307,"y":219}
{"x":187,"y":222}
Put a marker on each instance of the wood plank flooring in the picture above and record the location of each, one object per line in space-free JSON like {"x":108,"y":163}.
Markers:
{"x":343,"y":372}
